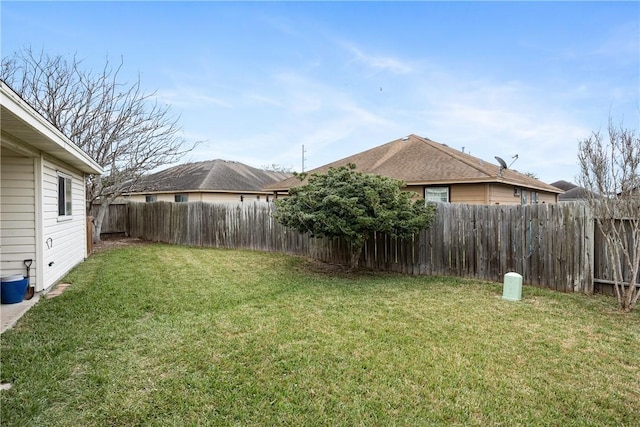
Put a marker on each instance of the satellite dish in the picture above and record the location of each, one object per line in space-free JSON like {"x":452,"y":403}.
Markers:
{"x":503,"y":164}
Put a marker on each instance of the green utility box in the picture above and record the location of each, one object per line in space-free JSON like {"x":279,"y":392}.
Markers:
{"x":512,"y":290}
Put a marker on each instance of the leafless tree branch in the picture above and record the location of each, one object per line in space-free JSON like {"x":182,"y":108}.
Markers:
{"x":610,"y":168}
{"x":120,"y":126}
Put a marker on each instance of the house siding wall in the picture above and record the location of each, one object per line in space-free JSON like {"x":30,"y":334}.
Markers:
{"x":234,"y":197}
{"x":475,"y":194}
{"x":204,"y":197}
{"x":486,"y":193}
{"x":500,"y":194}
{"x":65,"y":241}
{"x":504,"y":195}
{"x":17,"y":214}
{"x":418,"y":189}
{"x":141,"y":198}
{"x":547,"y":198}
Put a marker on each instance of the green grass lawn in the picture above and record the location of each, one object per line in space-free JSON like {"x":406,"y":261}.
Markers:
{"x":162,"y":335}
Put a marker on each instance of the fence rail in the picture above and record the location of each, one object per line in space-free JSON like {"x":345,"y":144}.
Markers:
{"x":551,"y":245}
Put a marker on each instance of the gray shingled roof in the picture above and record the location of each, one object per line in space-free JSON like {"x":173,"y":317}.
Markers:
{"x":420,"y":161}
{"x":576,"y":193}
{"x":212,"y":175}
{"x":572,"y":192}
{"x":564,"y":185}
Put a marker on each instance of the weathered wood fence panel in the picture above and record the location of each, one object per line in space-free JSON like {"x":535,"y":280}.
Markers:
{"x":603,"y":274}
{"x":551,"y":245}
{"x":248,"y":226}
{"x":115,"y":219}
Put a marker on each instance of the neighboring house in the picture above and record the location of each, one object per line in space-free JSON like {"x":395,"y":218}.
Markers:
{"x":42,"y":195}
{"x":208,"y":181}
{"x":442,"y":174}
{"x":572,"y":192}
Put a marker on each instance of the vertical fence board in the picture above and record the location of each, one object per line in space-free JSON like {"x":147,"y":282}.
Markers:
{"x":550,"y":245}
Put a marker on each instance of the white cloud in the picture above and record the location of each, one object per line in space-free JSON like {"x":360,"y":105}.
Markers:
{"x":377,"y":62}
{"x":190,"y":97}
{"x":491,"y":118}
{"x":488,"y":118}
{"x":289,"y":111}
{"x":259,"y":99}
{"x":540,"y":120}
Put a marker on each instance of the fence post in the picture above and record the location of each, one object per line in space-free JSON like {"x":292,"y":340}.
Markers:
{"x":589,"y":249}
{"x":89,"y":235}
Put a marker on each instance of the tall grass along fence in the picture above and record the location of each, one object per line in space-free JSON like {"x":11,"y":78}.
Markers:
{"x":551,"y":245}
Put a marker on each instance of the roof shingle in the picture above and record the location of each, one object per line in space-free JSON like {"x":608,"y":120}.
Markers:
{"x":211,"y":175}
{"x":421,"y":161}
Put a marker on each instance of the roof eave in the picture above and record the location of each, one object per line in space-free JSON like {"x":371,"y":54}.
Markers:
{"x":445,"y":182}
{"x":484,"y":181}
{"x":46,"y":137}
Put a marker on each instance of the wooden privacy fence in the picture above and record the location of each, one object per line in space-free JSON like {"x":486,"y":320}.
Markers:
{"x":550,"y":245}
{"x":241,"y":226}
{"x":115,"y":219}
{"x":603,"y":271}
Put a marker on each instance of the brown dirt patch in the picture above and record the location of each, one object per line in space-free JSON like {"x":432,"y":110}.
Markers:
{"x":118,"y":243}
{"x":314,"y":266}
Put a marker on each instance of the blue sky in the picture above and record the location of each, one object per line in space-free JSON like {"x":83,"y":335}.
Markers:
{"x":256,"y":81}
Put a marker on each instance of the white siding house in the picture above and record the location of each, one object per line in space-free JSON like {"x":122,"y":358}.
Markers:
{"x":42,"y":195}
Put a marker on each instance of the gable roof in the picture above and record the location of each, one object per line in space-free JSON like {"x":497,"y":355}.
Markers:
{"x":421,"y":161}
{"x":572,"y":192}
{"x":564,"y":185}
{"x":208,"y":176}
{"x":24,"y":123}
{"x":575,"y":193}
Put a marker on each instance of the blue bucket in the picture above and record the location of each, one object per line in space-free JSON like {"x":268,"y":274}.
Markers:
{"x":13,"y":288}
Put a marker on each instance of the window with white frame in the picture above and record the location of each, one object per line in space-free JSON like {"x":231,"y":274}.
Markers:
{"x":65,"y":199}
{"x":436,"y":194}
{"x":150,"y":198}
{"x":181,"y":198}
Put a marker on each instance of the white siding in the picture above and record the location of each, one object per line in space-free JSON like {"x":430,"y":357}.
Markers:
{"x":64,"y":238}
{"x":17,"y":214}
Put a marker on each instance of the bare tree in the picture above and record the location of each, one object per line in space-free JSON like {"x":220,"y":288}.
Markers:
{"x":610,"y":169}
{"x":121,"y":127}
{"x":273,"y":167}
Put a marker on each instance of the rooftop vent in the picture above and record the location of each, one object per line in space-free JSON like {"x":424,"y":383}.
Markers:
{"x":405,"y":138}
